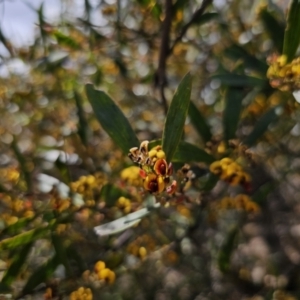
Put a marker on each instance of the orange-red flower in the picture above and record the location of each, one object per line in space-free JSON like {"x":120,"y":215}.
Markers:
{"x":154,"y":183}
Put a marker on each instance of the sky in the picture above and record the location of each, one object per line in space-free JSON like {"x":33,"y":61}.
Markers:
{"x":18,"y":19}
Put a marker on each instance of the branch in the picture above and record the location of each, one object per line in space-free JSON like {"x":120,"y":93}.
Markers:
{"x":160,"y":77}
{"x":197,"y":14}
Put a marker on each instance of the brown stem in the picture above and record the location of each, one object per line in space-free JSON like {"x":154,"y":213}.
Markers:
{"x":161,"y":79}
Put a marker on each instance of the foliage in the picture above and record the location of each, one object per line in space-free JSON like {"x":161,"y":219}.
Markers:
{"x":155,"y":156}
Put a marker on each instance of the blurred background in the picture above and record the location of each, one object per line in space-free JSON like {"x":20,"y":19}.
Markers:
{"x":228,"y":232}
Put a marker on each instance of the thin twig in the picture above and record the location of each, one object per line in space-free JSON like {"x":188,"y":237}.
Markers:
{"x":166,"y":50}
{"x":161,"y":78}
{"x":197,"y":14}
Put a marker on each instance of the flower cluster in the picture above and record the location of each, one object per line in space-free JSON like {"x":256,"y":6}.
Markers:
{"x":82,"y":294}
{"x":153,"y":168}
{"x":284,"y":76}
{"x":239,"y":202}
{"x":132,"y":176}
{"x":103,"y":273}
{"x":230,"y":171}
{"x":88,"y":185}
{"x":124,"y":204}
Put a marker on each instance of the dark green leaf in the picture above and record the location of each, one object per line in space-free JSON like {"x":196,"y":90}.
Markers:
{"x":226,"y":250}
{"x":16,"y":265}
{"x":233,"y":107}
{"x":41,"y":274}
{"x":210,"y":183}
{"x":205,"y":18}
{"x":187,"y":152}
{"x":63,"y":170}
{"x":236,"y":80}
{"x":17,"y":227}
{"x":199,"y":122}
{"x":65,"y":40}
{"x":236,"y":52}
{"x":83,"y":128}
{"x":74,"y":256}
{"x":176,"y":116}
{"x":4,"y":41}
{"x":60,"y":250}
{"x":261,"y":126}
{"x":112,"y":119}
{"x":292,"y":31}
{"x":110,"y":194}
{"x":274,"y":28}
{"x":24,"y":238}
{"x":23,"y":164}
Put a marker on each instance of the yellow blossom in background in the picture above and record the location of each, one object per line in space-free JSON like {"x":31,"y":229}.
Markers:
{"x":82,"y":294}
{"x":230,"y":171}
{"x":132,"y":175}
{"x":239,"y":202}
{"x":283,"y":75}
{"x":124,"y":204}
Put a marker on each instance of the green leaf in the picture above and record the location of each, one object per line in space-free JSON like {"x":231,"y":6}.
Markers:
{"x":41,"y":274}
{"x":176,"y":116}
{"x":227,"y":249}
{"x":204,"y":18}
{"x":233,"y":107}
{"x":262,"y":125}
{"x":24,"y":238}
{"x":236,"y":80}
{"x":210,"y":183}
{"x":16,"y":265}
{"x":23,"y":164}
{"x":16,"y":227}
{"x":292,"y":31}
{"x":187,"y":152}
{"x":110,"y":194}
{"x":74,"y":256}
{"x":112,"y":119}
{"x":83,"y":128}
{"x":60,"y":250}
{"x":274,"y":28}
{"x":65,"y":40}
{"x":199,"y":122}
{"x":236,"y":52}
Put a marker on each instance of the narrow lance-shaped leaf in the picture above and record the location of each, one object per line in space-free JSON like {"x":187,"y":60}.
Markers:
{"x":83,"y":128}
{"x":187,"y":152}
{"x":65,"y":40}
{"x":199,"y":122}
{"x":262,"y":125}
{"x":176,"y":116}
{"x":16,"y":265}
{"x":23,"y":238}
{"x":60,"y":250}
{"x":112,"y":119}
{"x":233,"y":107}
{"x":273,"y":27}
{"x":41,"y":274}
{"x":237,"y":80}
{"x":226,"y":250}
{"x":250,"y":61}
{"x":292,"y":31}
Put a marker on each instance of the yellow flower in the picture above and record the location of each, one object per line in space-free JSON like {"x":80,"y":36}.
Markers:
{"x":154,"y":183}
{"x":132,"y":175}
{"x":107,"y":275}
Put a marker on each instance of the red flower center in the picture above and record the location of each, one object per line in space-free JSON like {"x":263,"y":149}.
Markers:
{"x":153,"y":186}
